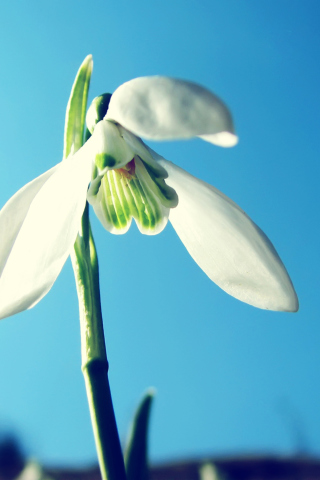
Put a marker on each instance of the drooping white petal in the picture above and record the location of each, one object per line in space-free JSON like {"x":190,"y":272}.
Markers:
{"x":42,"y":238}
{"x":162,"y":108}
{"x":14,"y":213}
{"x":223,"y":139}
{"x":227,"y":245}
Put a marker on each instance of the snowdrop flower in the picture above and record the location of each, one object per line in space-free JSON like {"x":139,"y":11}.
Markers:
{"x":126,"y":179}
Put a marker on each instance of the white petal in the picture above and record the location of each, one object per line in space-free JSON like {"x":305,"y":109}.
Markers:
{"x":227,"y":245}
{"x":159,"y":213}
{"x":162,"y":108}
{"x":112,"y":151}
{"x":14,"y":213}
{"x":223,"y":139}
{"x":43,"y":236}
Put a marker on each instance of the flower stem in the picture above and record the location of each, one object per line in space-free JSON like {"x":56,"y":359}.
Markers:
{"x":85,"y":265}
{"x":103,"y":420}
{"x":94,"y":359}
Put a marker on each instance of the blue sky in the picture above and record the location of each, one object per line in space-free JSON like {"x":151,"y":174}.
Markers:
{"x":230,"y":378}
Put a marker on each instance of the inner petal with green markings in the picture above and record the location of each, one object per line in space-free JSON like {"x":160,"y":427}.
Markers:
{"x":136,"y":189}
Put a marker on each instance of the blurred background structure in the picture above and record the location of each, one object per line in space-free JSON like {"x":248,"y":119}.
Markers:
{"x":233,"y":468}
{"x":231,"y":380}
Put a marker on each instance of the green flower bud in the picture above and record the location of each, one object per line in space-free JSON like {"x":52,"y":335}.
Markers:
{"x":97,"y":110}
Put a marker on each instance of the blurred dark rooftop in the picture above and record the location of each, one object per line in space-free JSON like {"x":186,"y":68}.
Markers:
{"x":13,"y":466}
{"x":233,"y":468}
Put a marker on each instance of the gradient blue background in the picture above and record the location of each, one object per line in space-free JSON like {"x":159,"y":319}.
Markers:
{"x":230,"y":378}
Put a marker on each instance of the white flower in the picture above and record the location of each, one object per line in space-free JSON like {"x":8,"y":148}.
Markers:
{"x":39,"y":224}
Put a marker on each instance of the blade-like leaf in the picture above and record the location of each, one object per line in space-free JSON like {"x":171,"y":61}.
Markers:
{"x":136,"y":453}
{"x":76,"y":108}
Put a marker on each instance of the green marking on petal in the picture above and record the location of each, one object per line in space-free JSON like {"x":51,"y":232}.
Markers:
{"x":128,"y":193}
{"x":154,"y":169}
{"x":124,"y":211}
{"x":166,"y":194}
{"x":142,"y":217}
{"x":117,"y":197}
{"x":123,"y":195}
{"x":108,"y":204}
{"x":103,"y":160}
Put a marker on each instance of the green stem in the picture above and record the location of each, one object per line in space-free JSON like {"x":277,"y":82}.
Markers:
{"x":85,"y":266}
{"x":103,"y":420}
{"x":94,"y":358}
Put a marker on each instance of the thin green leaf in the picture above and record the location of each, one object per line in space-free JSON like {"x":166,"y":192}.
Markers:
{"x":136,"y":454}
{"x":76,"y":109}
